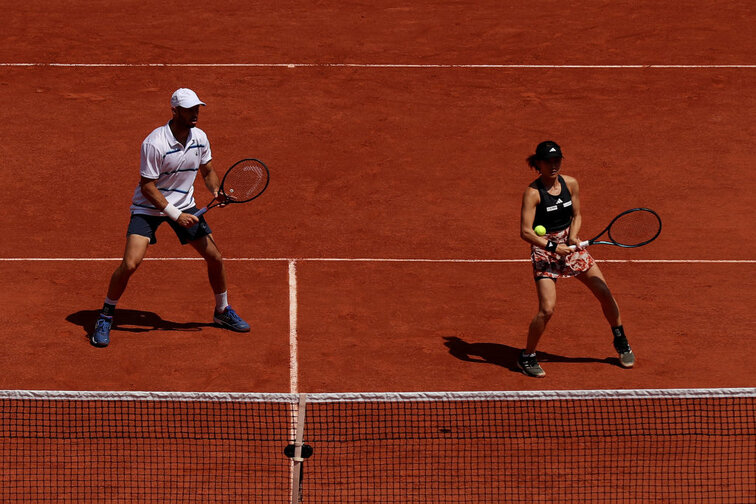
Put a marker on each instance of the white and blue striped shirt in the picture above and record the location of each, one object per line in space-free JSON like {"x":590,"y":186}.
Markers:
{"x":173,"y":166}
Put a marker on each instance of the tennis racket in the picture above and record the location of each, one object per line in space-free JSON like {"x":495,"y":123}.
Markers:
{"x":632,"y":228}
{"x":244,"y":181}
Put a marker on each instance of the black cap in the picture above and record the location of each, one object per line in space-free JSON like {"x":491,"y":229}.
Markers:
{"x":548,"y":150}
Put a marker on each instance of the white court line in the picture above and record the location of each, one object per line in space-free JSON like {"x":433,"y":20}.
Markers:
{"x":293,"y":350}
{"x":362,"y":65}
{"x":374,"y":259}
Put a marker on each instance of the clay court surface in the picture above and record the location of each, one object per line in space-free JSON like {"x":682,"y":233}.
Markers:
{"x":385,"y":255}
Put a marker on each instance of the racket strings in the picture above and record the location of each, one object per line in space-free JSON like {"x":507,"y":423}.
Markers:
{"x":245,"y":181}
{"x":635,"y":228}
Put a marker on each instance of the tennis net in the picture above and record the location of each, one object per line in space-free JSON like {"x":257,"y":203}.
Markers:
{"x":693,"y":445}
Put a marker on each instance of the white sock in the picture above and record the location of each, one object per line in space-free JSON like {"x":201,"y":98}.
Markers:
{"x":221,"y":301}
{"x":109,"y":307}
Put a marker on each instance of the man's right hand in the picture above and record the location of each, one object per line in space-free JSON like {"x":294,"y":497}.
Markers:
{"x":187,"y":220}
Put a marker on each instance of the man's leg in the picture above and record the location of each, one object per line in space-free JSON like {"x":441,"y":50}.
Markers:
{"x":224,"y":315}
{"x":136,"y":248}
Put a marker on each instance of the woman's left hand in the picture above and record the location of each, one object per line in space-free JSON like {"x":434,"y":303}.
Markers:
{"x":576,"y":242}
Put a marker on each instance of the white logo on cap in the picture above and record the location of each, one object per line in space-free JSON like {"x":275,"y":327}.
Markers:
{"x":552,"y":149}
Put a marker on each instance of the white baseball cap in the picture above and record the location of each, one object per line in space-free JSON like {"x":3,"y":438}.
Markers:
{"x":185,"y":98}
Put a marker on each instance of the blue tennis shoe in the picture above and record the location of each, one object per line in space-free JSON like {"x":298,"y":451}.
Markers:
{"x":228,"y":319}
{"x":101,"y":335}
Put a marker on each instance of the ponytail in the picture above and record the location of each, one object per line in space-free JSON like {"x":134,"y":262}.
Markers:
{"x":531,"y":160}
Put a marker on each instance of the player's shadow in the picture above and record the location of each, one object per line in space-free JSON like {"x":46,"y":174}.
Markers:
{"x":505,"y":355}
{"x":133,"y":321}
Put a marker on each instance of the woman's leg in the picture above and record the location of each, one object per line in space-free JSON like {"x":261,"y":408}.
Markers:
{"x":594,"y":280}
{"x":527,"y":360}
{"x":546,"y":289}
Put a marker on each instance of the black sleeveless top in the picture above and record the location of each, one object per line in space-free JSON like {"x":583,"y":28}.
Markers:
{"x":553,"y":212}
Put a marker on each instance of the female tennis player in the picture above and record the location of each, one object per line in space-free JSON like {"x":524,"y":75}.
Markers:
{"x":553,"y":201}
{"x":171,"y":157}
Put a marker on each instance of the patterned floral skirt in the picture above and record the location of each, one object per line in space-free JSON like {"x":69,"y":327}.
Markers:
{"x":552,"y":265}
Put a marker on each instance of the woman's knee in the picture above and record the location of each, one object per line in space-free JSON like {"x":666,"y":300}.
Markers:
{"x":602,"y":292}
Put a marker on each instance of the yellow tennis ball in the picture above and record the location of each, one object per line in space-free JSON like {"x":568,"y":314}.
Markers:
{"x":539,"y":230}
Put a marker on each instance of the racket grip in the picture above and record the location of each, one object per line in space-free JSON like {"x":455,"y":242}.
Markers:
{"x":583,"y":244}
{"x":200,"y":211}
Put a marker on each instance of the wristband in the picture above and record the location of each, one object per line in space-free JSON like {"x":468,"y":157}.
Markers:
{"x":172,"y":212}
{"x":551,"y":246}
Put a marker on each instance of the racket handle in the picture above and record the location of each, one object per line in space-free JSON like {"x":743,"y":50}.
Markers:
{"x":583,"y":244}
{"x":200,"y":211}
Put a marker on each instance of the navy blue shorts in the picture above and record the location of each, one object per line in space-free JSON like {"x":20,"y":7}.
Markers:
{"x":146,"y":225}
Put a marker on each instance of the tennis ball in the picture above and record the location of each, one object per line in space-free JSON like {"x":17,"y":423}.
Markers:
{"x":539,"y":230}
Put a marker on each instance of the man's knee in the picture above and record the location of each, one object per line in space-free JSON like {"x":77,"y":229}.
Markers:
{"x":129,"y":265}
{"x":546,"y":312}
{"x":213,"y":256}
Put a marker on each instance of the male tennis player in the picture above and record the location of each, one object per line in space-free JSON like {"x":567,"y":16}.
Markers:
{"x":171,"y":157}
{"x":553,"y":201}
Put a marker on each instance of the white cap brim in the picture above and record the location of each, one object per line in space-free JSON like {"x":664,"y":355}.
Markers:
{"x":189,"y":103}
